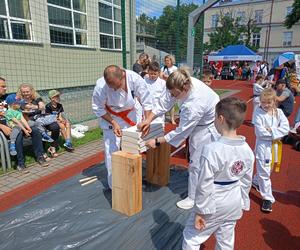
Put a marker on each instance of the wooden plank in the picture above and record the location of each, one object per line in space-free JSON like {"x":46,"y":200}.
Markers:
{"x":158,"y":165}
{"x":126,"y":183}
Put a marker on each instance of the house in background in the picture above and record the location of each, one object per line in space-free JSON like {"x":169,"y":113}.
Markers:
{"x":274,"y":38}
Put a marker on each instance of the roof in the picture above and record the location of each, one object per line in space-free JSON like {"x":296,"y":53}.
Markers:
{"x":235,"y":52}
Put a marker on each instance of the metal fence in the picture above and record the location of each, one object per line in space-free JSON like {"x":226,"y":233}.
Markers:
{"x":66,"y":44}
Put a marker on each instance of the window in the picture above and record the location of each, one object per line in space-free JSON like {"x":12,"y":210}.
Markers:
{"x":67,"y":22}
{"x":258,"y":16}
{"x":287,"y":38}
{"x":15,"y":20}
{"x":289,"y":10}
{"x":256,"y":40}
{"x":241,"y":15}
{"x":110,"y":24}
{"x":214,"y":20}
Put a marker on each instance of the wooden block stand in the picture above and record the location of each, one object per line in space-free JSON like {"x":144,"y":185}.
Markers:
{"x":126,"y":183}
{"x":158,"y":165}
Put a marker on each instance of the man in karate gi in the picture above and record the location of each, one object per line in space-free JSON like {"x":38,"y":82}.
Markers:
{"x":115,"y":100}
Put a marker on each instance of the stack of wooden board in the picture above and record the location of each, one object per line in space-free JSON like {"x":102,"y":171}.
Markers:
{"x":133,"y":142}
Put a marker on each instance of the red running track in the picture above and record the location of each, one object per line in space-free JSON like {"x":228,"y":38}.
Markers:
{"x":279,"y":230}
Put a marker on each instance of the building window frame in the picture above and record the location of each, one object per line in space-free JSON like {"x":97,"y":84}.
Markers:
{"x":287,"y":39}
{"x":258,"y":16}
{"x":112,"y":35}
{"x":242,"y":16}
{"x":9,"y":20}
{"x":289,"y":10}
{"x":256,"y":37}
{"x":214,"y":20}
{"x":72,"y":29}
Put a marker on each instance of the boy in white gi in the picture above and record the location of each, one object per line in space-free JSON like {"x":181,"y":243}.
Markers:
{"x":156,"y":86}
{"x":114,"y":102}
{"x":197,"y":104}
{"x":224,"y":181}
{"x":270,"y":124}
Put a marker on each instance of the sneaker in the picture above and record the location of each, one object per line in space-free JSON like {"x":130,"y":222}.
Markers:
{"x":186,"y":203}
{"x":41,"y":160}
{"x":256,"y":186}
{"x":12,"y":149}
{"x":68,"y":146}
{"x":47,"y":138}
{"x":266,"y":206}
{"x":22,"y":168}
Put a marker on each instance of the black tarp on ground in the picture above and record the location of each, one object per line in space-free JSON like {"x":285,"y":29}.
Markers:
{"x":69,"y":216}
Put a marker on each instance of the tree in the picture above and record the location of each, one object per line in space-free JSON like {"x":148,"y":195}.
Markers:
{"x":294,"y":16}
{"x":166,"y":32}
{"x":231,"y":31}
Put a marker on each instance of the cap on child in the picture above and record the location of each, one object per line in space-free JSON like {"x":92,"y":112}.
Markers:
{"x":12,"y":98}
{"x":53,"y":93}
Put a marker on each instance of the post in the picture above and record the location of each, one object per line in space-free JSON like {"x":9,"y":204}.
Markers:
{"x":123,"y":16}
{"x":201,"y":43}
{"x":177,"y":30}
{"x":158,"y":165}
{"x":126,"y":183}
{"x":193,"y":19}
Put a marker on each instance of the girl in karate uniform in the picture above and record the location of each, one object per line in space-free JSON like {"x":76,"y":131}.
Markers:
{"x":197,"y":104}
{"x":270,"y":124}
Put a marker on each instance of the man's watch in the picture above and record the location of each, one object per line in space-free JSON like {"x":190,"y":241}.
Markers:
{"x":157,"y":143}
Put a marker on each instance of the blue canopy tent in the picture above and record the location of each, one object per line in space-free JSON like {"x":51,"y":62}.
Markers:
{"x":235,"y":53}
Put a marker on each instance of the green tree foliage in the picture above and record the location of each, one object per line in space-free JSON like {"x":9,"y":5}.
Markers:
{"x":167,"y":30}
{"x":294,"y":16}
{"x":230,"y":31}
{"x":147,"y":24}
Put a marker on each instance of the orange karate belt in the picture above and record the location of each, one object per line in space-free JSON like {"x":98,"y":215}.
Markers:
{"x":122,"y":114}
{"x":276,"y":155}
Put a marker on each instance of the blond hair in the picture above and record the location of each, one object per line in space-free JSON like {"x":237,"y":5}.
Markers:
{"x":34,"y":94}
{"x":269,"y":94}
{"x":178,"y":79}
{"x":172,"y":58}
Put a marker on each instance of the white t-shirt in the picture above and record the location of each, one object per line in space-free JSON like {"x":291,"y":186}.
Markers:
{"x":168,"y":71}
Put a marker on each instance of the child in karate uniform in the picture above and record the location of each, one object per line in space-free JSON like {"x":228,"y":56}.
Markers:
{"x":224,"y":181}
{"x":270,"y":124}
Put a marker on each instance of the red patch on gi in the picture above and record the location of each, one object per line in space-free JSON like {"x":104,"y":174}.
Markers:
{"x":237,"y":167}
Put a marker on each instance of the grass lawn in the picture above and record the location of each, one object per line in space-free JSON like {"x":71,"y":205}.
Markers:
{"x":92,"y":135}
{"x":221,"y":91}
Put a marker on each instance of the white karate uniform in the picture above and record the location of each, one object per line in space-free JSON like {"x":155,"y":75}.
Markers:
{"x":263,"y":148}
{"x":157,"y":89}
{"x":118,"y":101}
{"x":197,"y":115}
{"x":257,"y":89}
{"x":222,"y":192}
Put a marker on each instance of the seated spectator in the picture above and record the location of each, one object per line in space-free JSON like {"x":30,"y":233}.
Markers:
{"x":285,"y":97}
{"x":54,"y":107}
{"x":34,"y":107}
{"x":207,"y":77}
{"x":35,"y":134}
{"x":16,"y":121}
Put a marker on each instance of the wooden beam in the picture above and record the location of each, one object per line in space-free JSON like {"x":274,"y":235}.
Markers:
{"x":126,"y":183}
{"x":158,"y":165}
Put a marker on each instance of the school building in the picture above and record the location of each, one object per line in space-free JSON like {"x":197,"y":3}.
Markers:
{"x":274,"y":38}
{"x":63,"y":43}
